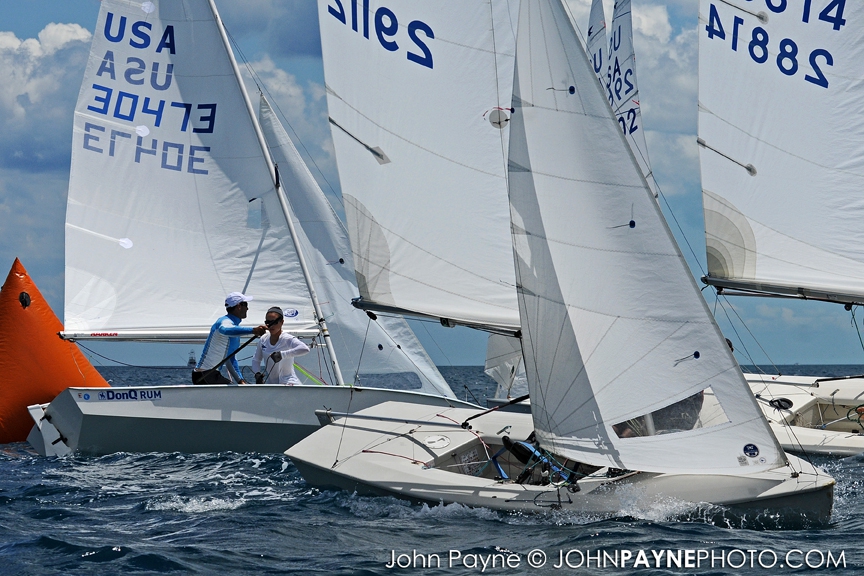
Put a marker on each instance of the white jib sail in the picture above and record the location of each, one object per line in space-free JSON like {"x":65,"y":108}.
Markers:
{"x":419,"y":96}
{"x":504,"y":365}
{"x":622,"y":88}
{"x":382,"y":353}
{"x":596,"y":44}
{"x":781,"y":146}
{"x":625,"y":364}
{"x":171,"y":204}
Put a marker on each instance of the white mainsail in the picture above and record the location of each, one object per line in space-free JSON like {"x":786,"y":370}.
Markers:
{"x":622,"y":88}
{"x":781,"y":153}
{"x":382,"y":353}
{"x":171,"y":202}
{"x":596,"y":44}
{"x":419,"y":99}
{"x":618,"y":343}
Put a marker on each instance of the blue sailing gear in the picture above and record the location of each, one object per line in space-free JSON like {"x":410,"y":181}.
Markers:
{"x":223,"y":339}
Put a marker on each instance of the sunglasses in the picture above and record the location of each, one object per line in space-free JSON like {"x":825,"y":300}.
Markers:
{"x":271,"y":323}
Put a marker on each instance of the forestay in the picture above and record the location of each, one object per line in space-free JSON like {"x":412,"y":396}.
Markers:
{"x":622,"y":88}
{"x":781,"y":147}
{"x":382,"y":353}
{"x":171,"y":204}
{"x":419,"y":97}
{"x":625,"y":364}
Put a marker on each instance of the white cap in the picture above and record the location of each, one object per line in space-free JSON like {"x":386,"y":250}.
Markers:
{"x":235,"y":298}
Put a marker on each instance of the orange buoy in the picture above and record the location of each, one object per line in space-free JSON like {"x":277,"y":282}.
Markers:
{"x":35,"y":364}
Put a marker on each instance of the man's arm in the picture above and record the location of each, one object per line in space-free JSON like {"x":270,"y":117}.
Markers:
{"x":234,"y":370}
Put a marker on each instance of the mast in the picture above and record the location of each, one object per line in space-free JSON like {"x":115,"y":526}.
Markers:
{"x":283,"y":201}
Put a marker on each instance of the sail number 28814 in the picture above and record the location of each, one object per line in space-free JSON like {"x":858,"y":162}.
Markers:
{"x":762,"y":47}
{"x":385,"y":25}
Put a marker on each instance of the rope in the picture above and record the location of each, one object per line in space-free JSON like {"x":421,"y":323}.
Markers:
{"x":855,"y":323}
{"x":362,"y":349}
{"x":259,"y":83}
{"x":129,"y":365}
{"x":413,"y":461}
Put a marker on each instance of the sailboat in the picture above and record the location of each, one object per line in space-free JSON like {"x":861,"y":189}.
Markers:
{"x":635,"y":394}
{"x":175,"y":200}
{"x":781,"y":180}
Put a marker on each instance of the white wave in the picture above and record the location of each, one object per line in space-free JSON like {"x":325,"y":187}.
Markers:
{"x":194,"y":505}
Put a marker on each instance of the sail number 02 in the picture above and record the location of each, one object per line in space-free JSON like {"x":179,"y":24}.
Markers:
{"x":386,"y":28}
{"x":787,"y":55}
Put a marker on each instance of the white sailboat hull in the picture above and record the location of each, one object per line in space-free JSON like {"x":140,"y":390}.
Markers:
{"x":409,"y":459}
{"x":192,"y":419}
{"x":818,"y":421}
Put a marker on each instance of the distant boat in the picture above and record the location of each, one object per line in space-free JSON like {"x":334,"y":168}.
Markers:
{"x":192,"y":362}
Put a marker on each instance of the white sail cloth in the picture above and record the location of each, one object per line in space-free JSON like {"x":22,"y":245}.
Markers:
{"x":596,"y":44}
{"x":614,"y":326}
{"x":622,"y":88}
{"x":383,"y":353}
{"x":781,"y":148}
{"x":419,"y":101}
{"x":171,"y":204}
{"x":504,"y":365}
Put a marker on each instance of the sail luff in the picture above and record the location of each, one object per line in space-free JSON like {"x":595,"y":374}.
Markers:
{"x":283,"y":201}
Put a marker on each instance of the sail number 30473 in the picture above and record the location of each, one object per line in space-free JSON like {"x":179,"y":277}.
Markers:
{"x":759,"y":45}
{"x":386,"y":28}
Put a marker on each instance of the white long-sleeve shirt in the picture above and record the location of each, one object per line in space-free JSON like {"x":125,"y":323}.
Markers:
{"x":281,"y":372}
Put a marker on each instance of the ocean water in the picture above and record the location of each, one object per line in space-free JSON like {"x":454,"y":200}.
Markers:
{"x":234,"y":513}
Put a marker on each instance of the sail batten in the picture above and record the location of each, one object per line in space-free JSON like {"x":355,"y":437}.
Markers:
{"x":625,"y":364}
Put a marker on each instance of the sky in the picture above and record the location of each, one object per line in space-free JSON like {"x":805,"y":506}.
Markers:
{"x":43,"y":51}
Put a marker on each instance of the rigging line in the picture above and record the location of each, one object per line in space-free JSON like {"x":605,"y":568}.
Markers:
{"x":420,"y":372}
{"x":740,"y":340}
{"x":449,"y":362}
{"x":752,"y":335}
{"x":259,"y":83}
{"x":129,"y":365}
{"x":362,"y":349}
{"x":855,"y":323}
{"x":678,"y":224}
{"x":576,"y":25}
{"x":344,"y":426}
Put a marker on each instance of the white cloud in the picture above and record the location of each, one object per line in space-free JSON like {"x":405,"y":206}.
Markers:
{"x":38,"y":84}
{"x":56,"y":36}
{"x":652,"y":21}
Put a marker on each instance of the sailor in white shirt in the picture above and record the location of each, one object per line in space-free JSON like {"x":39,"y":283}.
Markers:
{"x":277,"y":351}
